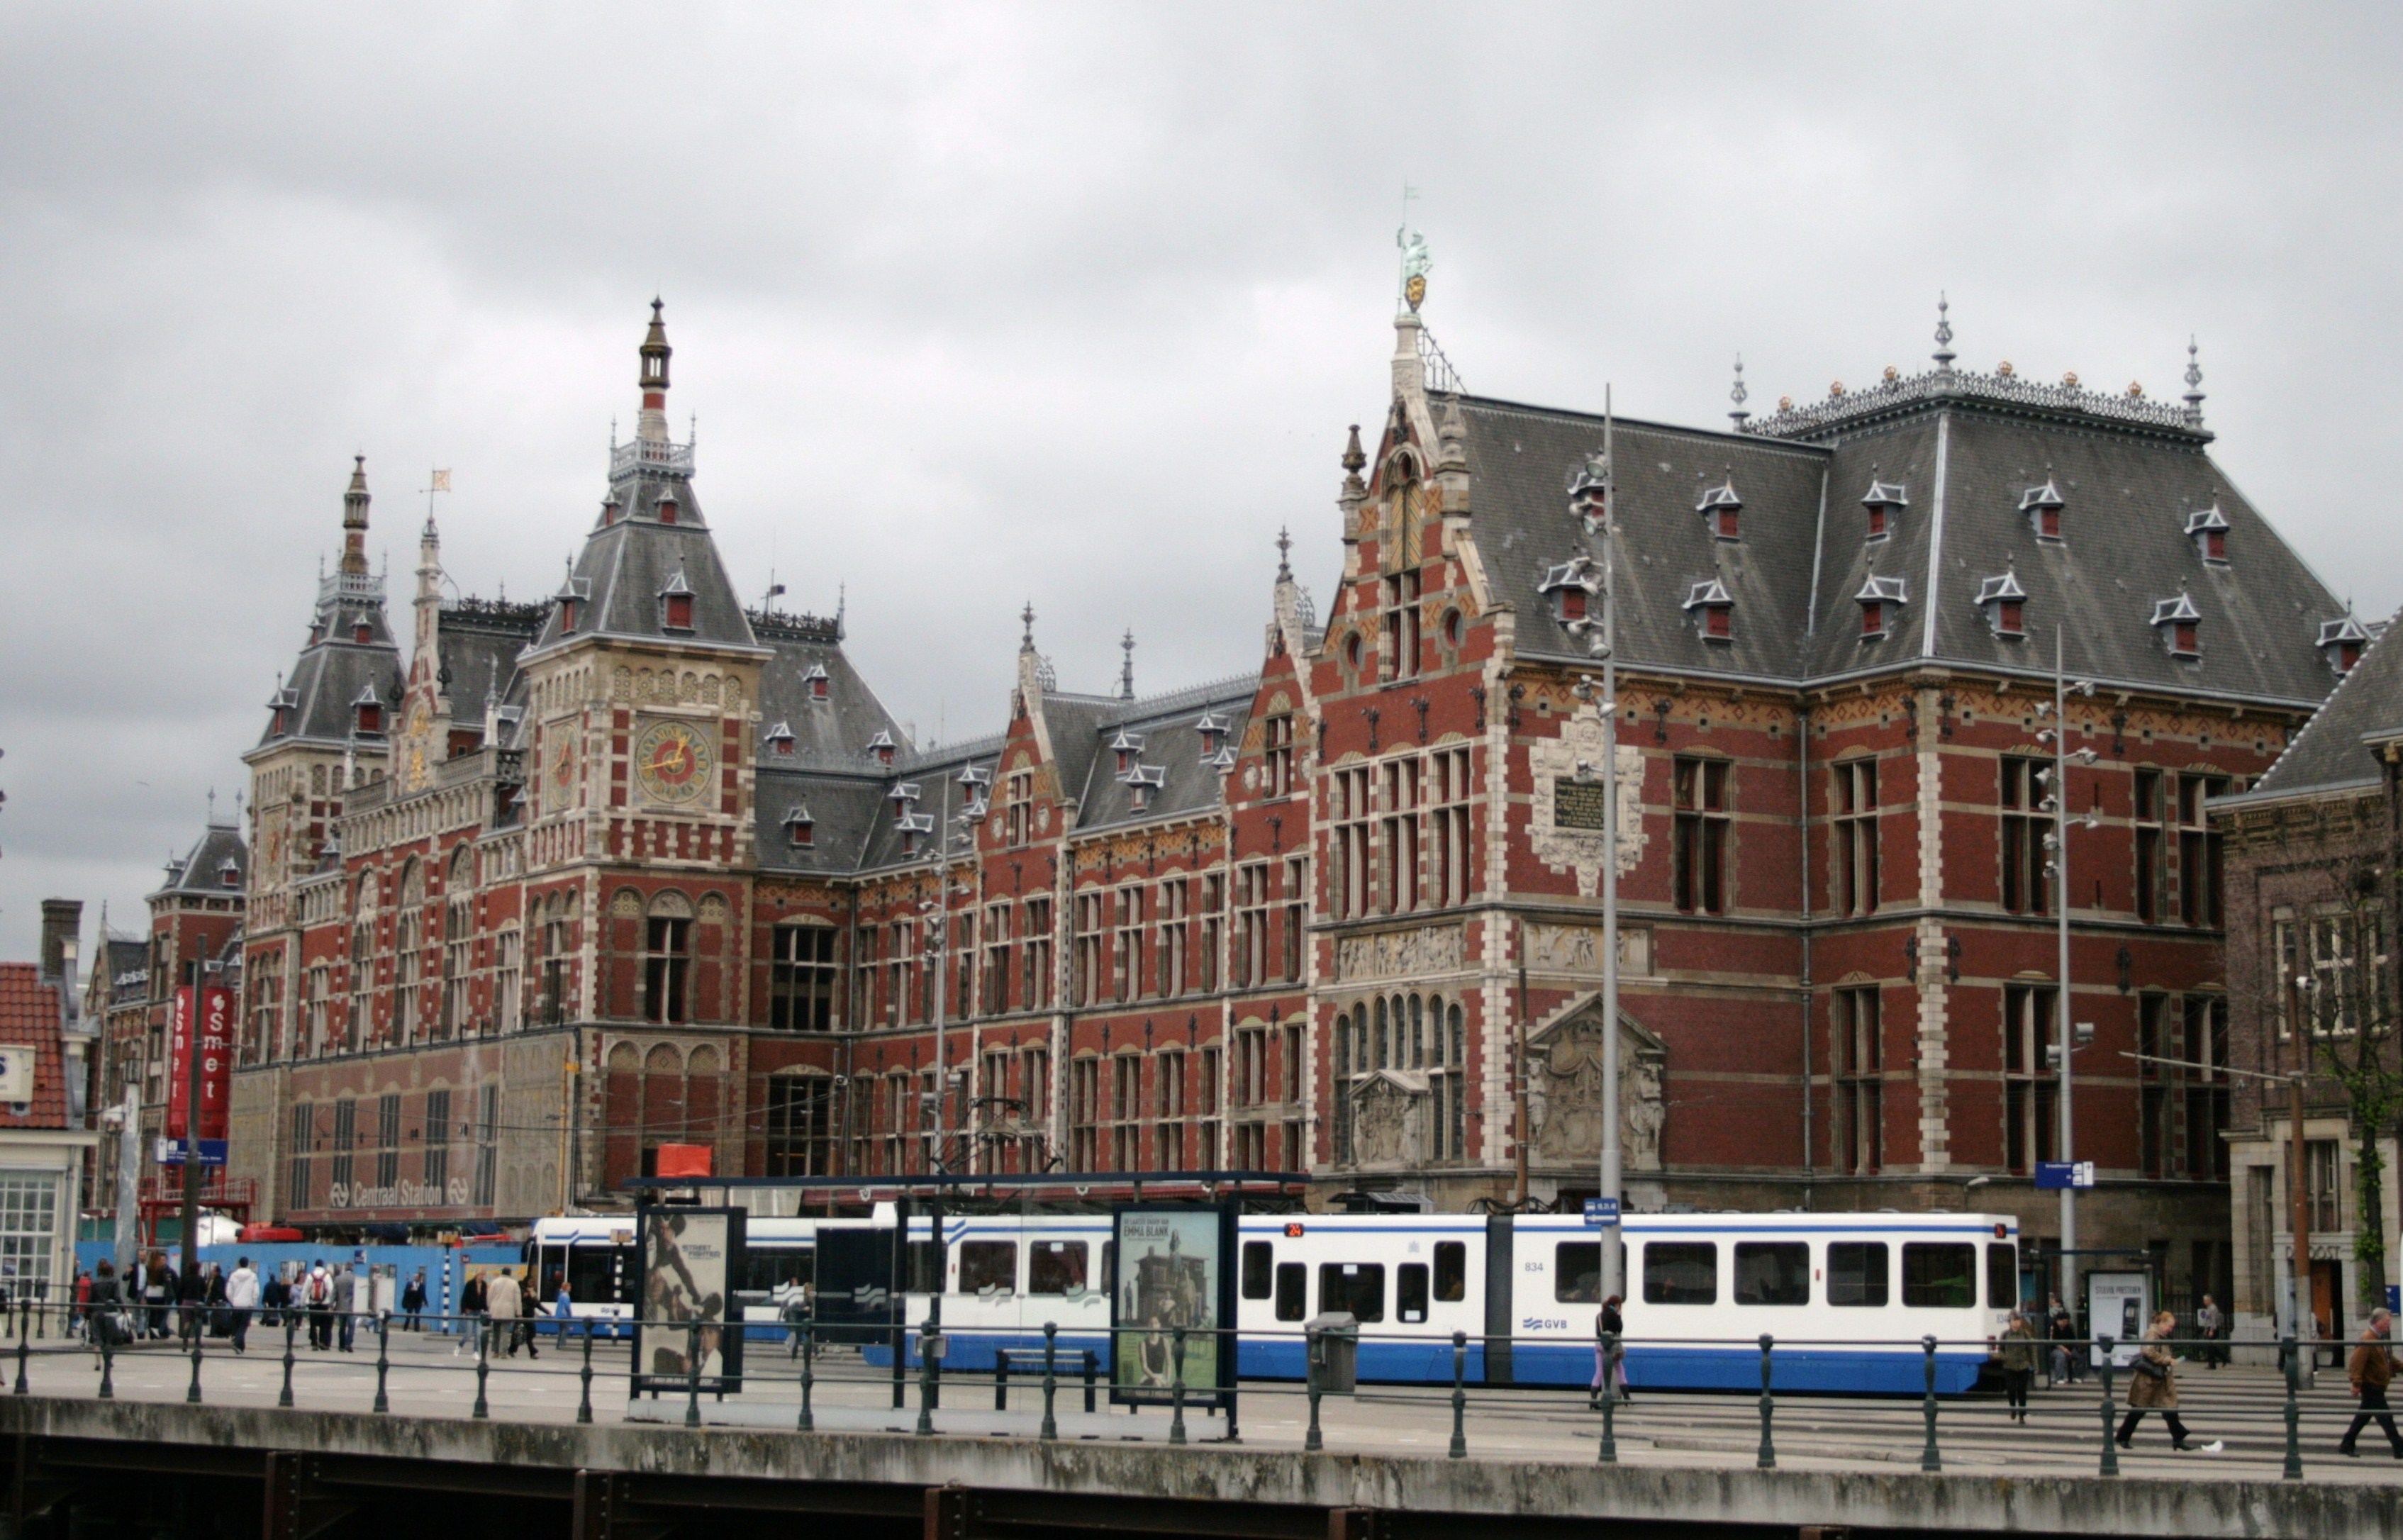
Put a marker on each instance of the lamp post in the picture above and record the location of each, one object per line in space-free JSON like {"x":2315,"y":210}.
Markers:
{"x":2057,"y":863}
{"x":1593,"y":496}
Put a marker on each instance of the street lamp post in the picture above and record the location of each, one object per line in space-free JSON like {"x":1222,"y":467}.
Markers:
{"x":2058,"y":842}
{"x":1591,"y":484}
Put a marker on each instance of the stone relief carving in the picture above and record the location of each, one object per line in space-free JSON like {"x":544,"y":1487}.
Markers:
{"x":1577,"y":949}
{"x":1399,"y":954}
{"x":1389,"y":1120}
{"x":1580,"y":849}
{"x":1564,"y":1092}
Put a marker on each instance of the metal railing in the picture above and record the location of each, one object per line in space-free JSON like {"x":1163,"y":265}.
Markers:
{"x":116,"y":1334}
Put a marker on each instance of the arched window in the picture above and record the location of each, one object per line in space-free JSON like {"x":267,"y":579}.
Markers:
{"x":1379,"y":1060}
{"x":1417,"y":1035}
{"x":667,"y":959}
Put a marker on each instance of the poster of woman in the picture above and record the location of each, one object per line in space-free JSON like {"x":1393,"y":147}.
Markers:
{"x":1171,"y":1267}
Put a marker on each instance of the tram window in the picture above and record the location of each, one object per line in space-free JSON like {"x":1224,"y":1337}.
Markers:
{"x":1056,"y":1267}
{"x":1292,"y":1290}
{"x":925,"y":1266}
{"x":1410,"y":1292}
{"x":592,"y":1275}
{"x":1356,"y":1286}
{"x":1576,"y":1272}
{"x":773,"y":1268}
{"x":988,"y":1267}
{"x":2002,"y":1275}
{"x":1450,"y":1270}
{"x":1259,"y":1258}
{"x":1856,"y":1272}
{"x":1680,"y":1273}
{"x":1772,"y":1272}
{"x":1939,"y":1275}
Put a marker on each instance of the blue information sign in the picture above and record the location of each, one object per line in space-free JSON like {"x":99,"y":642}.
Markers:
{"x":171,"y":1152}
{"x":1602,"y":1212}
{"x":2053,"y":1175}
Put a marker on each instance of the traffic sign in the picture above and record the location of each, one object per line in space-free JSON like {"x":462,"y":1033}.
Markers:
{"x":171,"y":1152}
{"x":2053,"y":1175}
{"x":1601,"y":1212}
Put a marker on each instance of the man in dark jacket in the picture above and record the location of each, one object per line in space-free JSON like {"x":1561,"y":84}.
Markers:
{"x":2371,"y":1369}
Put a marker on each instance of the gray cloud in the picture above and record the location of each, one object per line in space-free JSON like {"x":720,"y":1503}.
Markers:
{"x":977,"y":305}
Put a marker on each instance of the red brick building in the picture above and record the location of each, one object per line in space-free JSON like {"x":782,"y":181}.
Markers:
{"x":639,"y":865}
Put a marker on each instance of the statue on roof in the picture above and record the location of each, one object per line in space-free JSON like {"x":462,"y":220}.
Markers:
{"x":1416,"y":264}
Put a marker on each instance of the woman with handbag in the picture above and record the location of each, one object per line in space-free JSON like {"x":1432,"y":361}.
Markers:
{"x":2152,"y":1384}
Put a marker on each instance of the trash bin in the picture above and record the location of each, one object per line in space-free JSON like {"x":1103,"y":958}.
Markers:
{"x":1333,"y":1341}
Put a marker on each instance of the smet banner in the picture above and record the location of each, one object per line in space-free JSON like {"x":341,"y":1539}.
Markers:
{"x":216,"y":1034}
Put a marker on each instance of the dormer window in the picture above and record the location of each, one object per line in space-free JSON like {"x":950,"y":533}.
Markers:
{"x":2004,"y":603}
{"x":366,"y":713}
{"x":1713,"y":610}
{"x":1213,"y":730}
{"x":2042,"y":504}
{"x":780,"y":740}
{"x":2208,"y":529}
{"x":1223,"y":760}
{"x":570,"y":599}
{"x":903,"y":797}
{"x":977,"y":779}
{"x":1720,"y":507}
{"x":882,"y":746}
{"x":609,"y":512}
{"x":229,"y":874}
{"x":801,"y":830}
{"x":675,"y":603}
{"x":816,"y":681}
{"x":1879,"y":598}
{"x":1126,"y":745}
{"x":1145,"y":781}
{"x":2180,"y":625}
{"x":667,"y":511}
{"x":567,"y":615}
{"x":362,"y":632}
{"x":911,"y":827}
{"x":1884,"y":503}
{"x":1570,"y":588}
{"x":2342,"y":641}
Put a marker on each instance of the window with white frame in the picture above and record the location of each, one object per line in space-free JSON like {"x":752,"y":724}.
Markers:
{"x":29,"y":1224}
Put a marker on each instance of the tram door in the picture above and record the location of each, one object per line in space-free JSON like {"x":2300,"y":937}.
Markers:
{"x":1501,"y":1297}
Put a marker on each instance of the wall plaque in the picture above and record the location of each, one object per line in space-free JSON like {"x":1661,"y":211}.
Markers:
{"x":1578,"y":805}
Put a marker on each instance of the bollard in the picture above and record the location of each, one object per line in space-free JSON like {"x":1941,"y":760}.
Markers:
{"x":1459,"y":1395}
{"x":25,"y":1350}
{"x":1310,"y":1442}
{"x":2294,"y":1471}
{"x":808,"y":1421}
{"x":483,"y":1371}
{"x":1176,"y":1386}
{"x":384,"y":1358}
{"x":1928,"y":1458}
{"x":929,"y":1343}
{"x":692,"y":1375}
{"x":1050,"y":1379}
{"x":108,"y":1364}
{"x":584,"y":1406}
{"x":2110,"y":1464}
{"x":291,"y":1326}
{"x":1609,"y":1455}
{"x":1766,"y":1459}
{"x":191,"y":1392}
{"x":1001,"y":1379}
{"x":1093,"y":1370}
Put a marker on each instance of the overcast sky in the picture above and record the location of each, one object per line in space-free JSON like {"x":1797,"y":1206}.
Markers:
{"x":980,"y":305}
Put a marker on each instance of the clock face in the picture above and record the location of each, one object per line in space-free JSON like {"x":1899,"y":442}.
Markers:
{"x":672,"y":762}
{"x":562,"y":765}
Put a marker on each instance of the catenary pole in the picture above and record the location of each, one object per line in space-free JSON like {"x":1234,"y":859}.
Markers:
{"x":2062,"y":1012}
{"x":1611,"y":1283}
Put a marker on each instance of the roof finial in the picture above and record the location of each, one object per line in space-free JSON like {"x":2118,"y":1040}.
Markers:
{"x":2193,"y":386}
{"x":354,"y":520}
{"x":1026,"y":617}
{"x":1738,"y":395}
{"x":1944,"y":355}
{"x":1125,"y":670}
{"x":653,"y":425}
{"x":1284,"y":549}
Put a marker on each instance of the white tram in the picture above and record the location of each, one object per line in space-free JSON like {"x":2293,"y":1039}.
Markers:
{"x":1847,"y":1297}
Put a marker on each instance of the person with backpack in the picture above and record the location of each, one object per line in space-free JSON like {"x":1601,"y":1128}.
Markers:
{"x":317,"y":1295}
{"x":241,"y":1297}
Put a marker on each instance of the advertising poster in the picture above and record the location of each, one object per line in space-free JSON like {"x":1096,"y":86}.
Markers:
{"x":692,"y":1262}
{"x":1171,"y":1266}
{"x":215,"y":1010}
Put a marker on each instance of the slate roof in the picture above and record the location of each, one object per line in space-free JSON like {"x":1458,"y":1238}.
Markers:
{"x":828,"y":734}
{"x":199,"y":870}
{"x":2328,"y":753}
{"x":1187,"y":782}
{"x":627,"y":561}
{"x":332,"y":671}
{"x":477,"y":645}
{"x":1963,"y":466}
{"x":29,"y":1015}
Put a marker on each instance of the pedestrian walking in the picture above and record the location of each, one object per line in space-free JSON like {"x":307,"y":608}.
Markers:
{"x":108,"y":1320}
{"x":156,"y":1293}
{"x":501,"y":1303}
{"x":2066,"y":1346}
{"x":2371,"y":1369}
{"x":242,"y":1294}
{"x":471,"y":1306}
{"x":2152,"y":1385}
{"x":2020,"y":1352}
{"x":275,"y":1296}
{"x":317,"y":1296}
{"x":412,"y":1302}
{"x":191,"y":1303}
{"x":218,"y":1312}
{"x":346,"y":1295}
{"x":81,"y":1322}
{"x":2212,"y":1327}
{"x":1609,"y":1355}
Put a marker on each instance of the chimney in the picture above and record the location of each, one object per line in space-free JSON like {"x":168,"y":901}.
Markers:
{"x":62,"y":922}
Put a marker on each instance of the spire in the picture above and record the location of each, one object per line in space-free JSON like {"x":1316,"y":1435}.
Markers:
{"x":1284,"y":552}
{"x":653,"y":425}
{"x":1738,"y":395}
{"x":1125,"y":670}
{"x":1026,"y":619}
{"x":1944,"y":355}
{"x":2193,"y":387}
{"x":355,"y":520}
